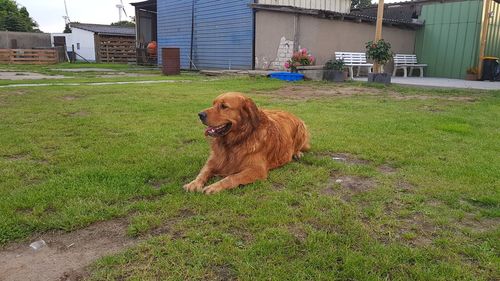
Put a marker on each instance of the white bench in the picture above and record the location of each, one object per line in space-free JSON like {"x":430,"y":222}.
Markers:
{"x":352,"y":60}
{"x":403,"y":61}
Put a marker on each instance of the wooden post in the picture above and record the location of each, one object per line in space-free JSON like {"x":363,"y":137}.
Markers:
{"x":378,"y":30}
{"x":484,"y":35}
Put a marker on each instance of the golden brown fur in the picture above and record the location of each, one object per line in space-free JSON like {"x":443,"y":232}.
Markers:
{"x":257,"y":141}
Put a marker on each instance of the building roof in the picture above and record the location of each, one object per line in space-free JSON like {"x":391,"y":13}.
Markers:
{"x":357,"y":17}
{"x":105,"y":29}
{"x":147,"y":5}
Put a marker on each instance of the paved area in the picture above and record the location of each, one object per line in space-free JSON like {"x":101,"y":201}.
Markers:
{"x":86,"y":69}
{"x":442,"y":83}
{"x":99,"y":83}
{"x":16,"y":75}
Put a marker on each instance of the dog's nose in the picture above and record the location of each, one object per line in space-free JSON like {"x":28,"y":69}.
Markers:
{"x":202,"y":115}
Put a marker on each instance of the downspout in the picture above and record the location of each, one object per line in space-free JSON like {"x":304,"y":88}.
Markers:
{"x":254,"y":35}
{"x":192,"y":37}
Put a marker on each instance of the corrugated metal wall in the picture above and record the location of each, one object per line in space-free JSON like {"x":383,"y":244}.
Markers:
{"x":341,"y":6}
{"x":222,"y":34}
{"x":449,"y":42}
{"x":174,"y":27}
{"x":493,"y":40}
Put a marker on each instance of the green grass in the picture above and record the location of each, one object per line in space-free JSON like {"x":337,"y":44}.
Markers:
{"x":71,"y":156}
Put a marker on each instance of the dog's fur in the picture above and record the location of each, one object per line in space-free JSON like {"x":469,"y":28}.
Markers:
{"x":258,"y":140}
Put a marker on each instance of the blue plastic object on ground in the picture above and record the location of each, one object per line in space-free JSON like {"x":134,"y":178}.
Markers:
{"x":287,"y":76}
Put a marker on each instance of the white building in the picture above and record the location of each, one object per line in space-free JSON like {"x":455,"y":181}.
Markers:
{"x":88,"y":39}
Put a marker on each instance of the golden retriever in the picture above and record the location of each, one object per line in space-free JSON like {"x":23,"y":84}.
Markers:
{"x":247,"y":142}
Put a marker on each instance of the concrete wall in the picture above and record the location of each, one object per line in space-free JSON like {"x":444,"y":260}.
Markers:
{"x":278,"y":33}
{"x":24,"y":40}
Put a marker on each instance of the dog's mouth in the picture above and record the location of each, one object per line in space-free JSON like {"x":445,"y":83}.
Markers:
{"x":218,"y":131}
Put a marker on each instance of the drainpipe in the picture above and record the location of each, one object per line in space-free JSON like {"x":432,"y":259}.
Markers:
{"x":296,"y":32}
{"x":191,"y":62}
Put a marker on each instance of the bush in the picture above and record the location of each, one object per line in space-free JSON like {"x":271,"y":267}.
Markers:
{"x":379,"y":51}
{"x":337,"y":65}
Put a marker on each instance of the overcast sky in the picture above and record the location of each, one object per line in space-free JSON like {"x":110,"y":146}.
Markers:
{"x":49,"y":13}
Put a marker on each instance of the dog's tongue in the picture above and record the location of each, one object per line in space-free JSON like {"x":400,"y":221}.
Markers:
{"x":210,"y":131}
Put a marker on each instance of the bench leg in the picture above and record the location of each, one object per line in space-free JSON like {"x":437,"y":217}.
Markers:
{"x":359,"y":69}
{"x":405,"y":72}
{"x":421,"y":72}
{"x":411,"y":71}
{"x":351,"y":72}
{"x":394,"y":71}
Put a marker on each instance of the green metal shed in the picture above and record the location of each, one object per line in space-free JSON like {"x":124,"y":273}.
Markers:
{"x":449,"y":42}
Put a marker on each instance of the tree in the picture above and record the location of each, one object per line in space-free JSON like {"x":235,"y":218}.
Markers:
{"x":356,"y":4}
{"x":124,"y":23}
{"x":15,"y":18}
{"x":67,"y":29}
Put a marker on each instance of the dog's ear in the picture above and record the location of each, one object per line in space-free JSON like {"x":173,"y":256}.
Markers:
{"x":252,"y":112}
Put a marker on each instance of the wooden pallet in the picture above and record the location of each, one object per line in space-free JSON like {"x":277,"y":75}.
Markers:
{"x":28,"y":56}
{"x":116,"y":49}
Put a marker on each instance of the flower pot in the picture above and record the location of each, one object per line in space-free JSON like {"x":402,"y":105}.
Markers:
{"x":471,"y":77}
{"x":334,"y":75}
{"x":383,"y":78}
{"x":311,"y":72}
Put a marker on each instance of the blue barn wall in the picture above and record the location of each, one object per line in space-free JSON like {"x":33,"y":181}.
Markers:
{"x":174,"y":27}
{"x":222,"y":37}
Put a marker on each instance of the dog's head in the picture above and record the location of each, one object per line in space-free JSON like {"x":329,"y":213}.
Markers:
{"x":230,"y":113}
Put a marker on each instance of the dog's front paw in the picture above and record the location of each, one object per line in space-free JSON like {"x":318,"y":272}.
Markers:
{"x":297,"y":156}
{"x":194,"y":186}
{"x":212,"y":189}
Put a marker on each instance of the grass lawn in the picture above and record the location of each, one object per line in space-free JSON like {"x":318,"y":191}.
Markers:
{"x":401,"y":183}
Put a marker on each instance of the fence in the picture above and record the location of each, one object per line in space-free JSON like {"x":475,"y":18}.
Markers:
{"x":117,"y":49}
{"x":28,"y":56}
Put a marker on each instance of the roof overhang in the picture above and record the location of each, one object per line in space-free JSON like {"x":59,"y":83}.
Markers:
{"x":337,"y":16}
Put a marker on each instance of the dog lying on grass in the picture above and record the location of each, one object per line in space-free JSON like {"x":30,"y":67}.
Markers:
{"x":247,"y":142}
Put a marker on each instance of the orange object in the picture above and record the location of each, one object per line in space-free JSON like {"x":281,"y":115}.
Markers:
{"x":152,"y":48}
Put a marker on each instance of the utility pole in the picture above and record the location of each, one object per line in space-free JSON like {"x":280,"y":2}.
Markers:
{"x":378,"y":30}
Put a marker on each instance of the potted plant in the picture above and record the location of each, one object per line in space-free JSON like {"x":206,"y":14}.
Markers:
{"x":303,"y":63}
{"x":471,"y":74}
{"x":334,"y":71}
{"x":299,"y":59}
{"x":380,"y":53}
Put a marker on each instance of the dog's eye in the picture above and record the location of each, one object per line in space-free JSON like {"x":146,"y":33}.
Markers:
{"x":223,"y":106}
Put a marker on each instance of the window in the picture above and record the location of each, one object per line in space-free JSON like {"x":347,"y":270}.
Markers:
{"x":78,"y":46}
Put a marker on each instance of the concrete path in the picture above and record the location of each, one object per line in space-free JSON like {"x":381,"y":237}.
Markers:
{"x":98,"y":83}
{"x":23,"y":75}
{"x":442,"y":83}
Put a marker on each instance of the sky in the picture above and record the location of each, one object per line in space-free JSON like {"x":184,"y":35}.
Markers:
{"x":49,"y":13}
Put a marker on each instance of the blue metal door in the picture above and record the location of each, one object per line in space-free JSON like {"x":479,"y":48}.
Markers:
{"x":212,"y":34}
{"x":223,"y":34}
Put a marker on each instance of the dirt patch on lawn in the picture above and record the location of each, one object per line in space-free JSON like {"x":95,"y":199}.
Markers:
{"x":310,"y":92}
{"x":158,"y":183}
{"x":479,"y":225}
{"x":65,"y":255}
{"x":305,"y":92}
{"x":347,"y":186}
{"x":69,"y":98}
{"x":387,"y":169}
{"x":346,"y":158}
